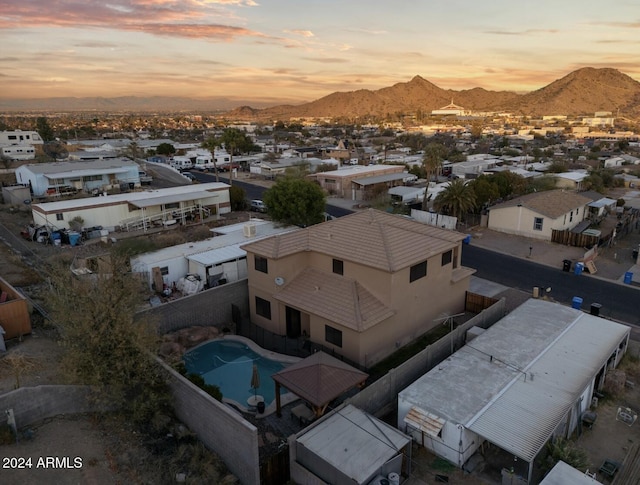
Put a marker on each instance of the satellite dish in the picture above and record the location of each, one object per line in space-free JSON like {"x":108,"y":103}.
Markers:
{"x":279,"y":280}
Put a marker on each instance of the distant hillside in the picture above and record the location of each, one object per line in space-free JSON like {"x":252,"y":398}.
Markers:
{"x":582,"y":92}
{"x":123,"y":104}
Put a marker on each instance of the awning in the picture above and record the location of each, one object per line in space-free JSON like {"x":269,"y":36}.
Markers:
{"x":219,"y":255}
{"x":424,"y":421}
{"x":173,"y":198}
{"x":84,"y":173}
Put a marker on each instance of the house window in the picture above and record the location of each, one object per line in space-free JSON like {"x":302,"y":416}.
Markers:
{"x":446,"y":257}
{"x":263,"y":308}
{"x":164,"y":271}
{"x":333,"y":336}
{"x":60,"y":217}
{"x":571,"y":217}
{"x":261,"y":264}
{"x":537,"y":224}
{"x":418,"y":271}
{"x":338,"y":266}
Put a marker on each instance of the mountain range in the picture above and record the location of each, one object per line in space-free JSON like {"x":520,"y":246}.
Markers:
{"x":582,"y":92}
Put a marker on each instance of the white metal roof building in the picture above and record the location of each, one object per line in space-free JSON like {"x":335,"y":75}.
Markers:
{"x":350,"y":447}
{"x":216,"y":257}
{"x":88,"y":175}
{"x":526,"y":379}
{"x":135,"y":210}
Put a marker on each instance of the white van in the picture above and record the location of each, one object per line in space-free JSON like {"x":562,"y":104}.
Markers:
{"x":181,"y":163}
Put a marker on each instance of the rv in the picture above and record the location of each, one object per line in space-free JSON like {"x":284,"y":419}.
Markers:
{"x":181,"y":163}
{"x":19,"y":137}
{"x":204,"y":163}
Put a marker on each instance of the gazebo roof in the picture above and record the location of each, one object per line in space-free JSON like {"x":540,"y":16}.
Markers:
{"x":319,"y":378}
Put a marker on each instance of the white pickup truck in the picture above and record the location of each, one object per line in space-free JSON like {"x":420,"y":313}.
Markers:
{"x":144,"y":178}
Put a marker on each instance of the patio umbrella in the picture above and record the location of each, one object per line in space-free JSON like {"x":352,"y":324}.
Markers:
{"x":255,"y":379}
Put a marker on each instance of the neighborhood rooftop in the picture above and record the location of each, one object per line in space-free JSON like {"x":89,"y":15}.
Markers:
{"x":136,"y":198}
{"x":552,"y":203}
{"x":372,"y":238}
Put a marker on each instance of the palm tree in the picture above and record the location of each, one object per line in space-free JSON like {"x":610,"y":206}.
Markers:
{"x":211,"y":144}
{"x":457,"y":199}
{"x":434,"y":153}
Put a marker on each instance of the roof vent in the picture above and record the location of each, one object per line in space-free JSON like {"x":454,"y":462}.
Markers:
{"x":249,"y":230}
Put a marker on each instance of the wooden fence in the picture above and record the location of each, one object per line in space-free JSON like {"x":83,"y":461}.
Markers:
{"x":569,"y":238}
{"x":475,"y":303}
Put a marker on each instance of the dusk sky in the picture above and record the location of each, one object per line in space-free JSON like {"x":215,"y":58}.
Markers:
{"x":297,"y":51}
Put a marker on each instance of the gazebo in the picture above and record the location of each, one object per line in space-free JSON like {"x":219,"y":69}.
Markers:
{"x":318,"y":380}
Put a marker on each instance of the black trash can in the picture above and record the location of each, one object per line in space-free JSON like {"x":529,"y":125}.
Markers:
{"x":635,"y":255}
{"x":595,"y":309}
{"x":566,"y":265}
{"x":260,"y":407}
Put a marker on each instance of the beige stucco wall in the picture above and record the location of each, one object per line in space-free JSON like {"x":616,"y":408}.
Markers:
{"x":520,"y":221}
{"x":419,"y":305}
{"x":562,"y":183}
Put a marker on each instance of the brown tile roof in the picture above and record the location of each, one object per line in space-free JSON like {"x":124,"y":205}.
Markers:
{"x":336,"y":298}
{"x":371,"y":238}
{"x":552,"y":203}
{"x":319,"y":378}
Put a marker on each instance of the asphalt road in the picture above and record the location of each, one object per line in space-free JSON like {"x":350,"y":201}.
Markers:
{"x":619,"y":302}
{"x":256,"y":191}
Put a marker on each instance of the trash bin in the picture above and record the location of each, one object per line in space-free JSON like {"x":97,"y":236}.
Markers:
{"x":467,"y":239}
{"x":566,"y":265}
{"x":576,"y":303}
{"x":260,"y":407}
{"x":628,"y":277}
{"x":595,"y":309}
{"x":578,"y":268}
{"x":635,"y":255}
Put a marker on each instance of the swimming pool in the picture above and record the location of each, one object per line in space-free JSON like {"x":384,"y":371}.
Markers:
{"x":228,"y":364}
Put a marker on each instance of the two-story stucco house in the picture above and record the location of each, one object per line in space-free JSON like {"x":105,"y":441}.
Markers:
{"x":362,"y":285}
{"x":537,"y":215}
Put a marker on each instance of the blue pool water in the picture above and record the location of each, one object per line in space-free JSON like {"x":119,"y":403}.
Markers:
{"x":228,"y":364}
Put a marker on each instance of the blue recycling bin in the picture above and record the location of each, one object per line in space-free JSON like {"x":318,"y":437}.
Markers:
{"x":467,"y":239}
{"x":576,"y":303}
{"x":578,"y":268}
{"x":628,"y":277}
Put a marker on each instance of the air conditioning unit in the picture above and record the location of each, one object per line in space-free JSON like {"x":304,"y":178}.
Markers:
{"x":249,"y":230}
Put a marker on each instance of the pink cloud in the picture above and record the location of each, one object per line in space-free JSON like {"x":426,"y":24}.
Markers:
{"x":179,"y":18}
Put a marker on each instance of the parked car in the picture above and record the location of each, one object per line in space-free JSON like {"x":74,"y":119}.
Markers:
{"x":190,"y":176}
{"x":258,"y":206}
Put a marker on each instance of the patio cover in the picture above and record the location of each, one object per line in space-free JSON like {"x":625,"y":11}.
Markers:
{"x":84,"y":173}
{"x":170,"y":199}
{"x":318,"y":379}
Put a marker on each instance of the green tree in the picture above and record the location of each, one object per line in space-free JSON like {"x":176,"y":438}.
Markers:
{"x":105,"y":346}
{"x":295,"y":201}
{"x":456,"y":199}
{"x":510,"y":183}
{"x":165,"y":149}
{"x":44,"y":129}
{"x":238,"y":198}
{"x":486,"y":192}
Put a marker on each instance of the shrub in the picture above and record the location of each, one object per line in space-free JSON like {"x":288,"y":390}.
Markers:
{"x":6,"y":435}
